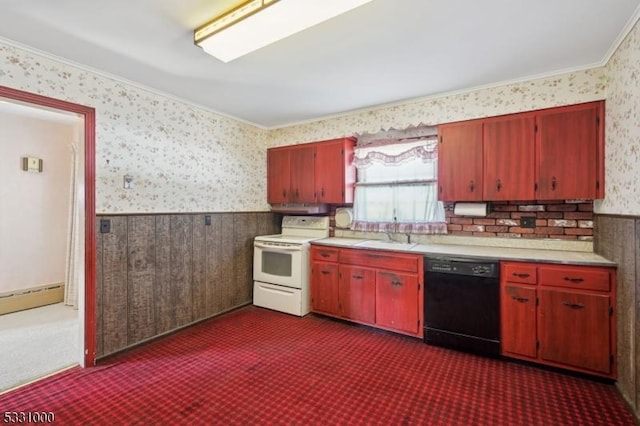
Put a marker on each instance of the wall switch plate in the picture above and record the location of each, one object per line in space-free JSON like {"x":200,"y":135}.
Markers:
{"x":105,"y":226}
{"x":527,"y":222}
{"x":207,"y":219}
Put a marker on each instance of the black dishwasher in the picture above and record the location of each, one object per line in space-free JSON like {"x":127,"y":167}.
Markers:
{"x":462,"y":304}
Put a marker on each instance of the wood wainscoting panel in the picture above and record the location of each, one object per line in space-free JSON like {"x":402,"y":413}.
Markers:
{"x":222,"y":245}
{"x":164,"y":298}
{"x":181,"y":273}
{"x":141,"y":273}
{"x":157,"y":273}
{"x":244,"y":229}
{"x":616,"y":238}
{"x":199,"y":268}
{"x":114,"y":286}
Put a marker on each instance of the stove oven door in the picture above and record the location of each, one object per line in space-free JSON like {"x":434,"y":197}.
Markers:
{"x":278,"y":263}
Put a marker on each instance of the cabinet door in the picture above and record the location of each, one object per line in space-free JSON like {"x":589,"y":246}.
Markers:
{"x":278,"y":179}
{"x":324,"y":287}
{"x":574,"y":329}
{"x":518,"y":320}
{"x":329,"y":173}
{"x":567,"y":150}
{"x":460,"y":161}
{"x":509,"y":158}
{"x":357,"y":293}
{"x":397,"y":301}
{"x":302,"y":175}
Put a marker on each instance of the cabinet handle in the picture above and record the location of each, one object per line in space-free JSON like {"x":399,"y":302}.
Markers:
{"x":357,"y":277}
{"x":574,"y":279}
{"x":284,"y":193}
{"x":573,"y":305}
{"x":325,"y":272}
{"x":324,"y":254}
{"x":440,"y":189}
{"x":322,"y":192}
{"x":472,"y":186}
{"x":297,"y":194}
{"x":498,"y":185}
{"x":554,"y":183}
{"x":396,"y":283}
{"x":515,"y":274}
{"x":520,"y":299}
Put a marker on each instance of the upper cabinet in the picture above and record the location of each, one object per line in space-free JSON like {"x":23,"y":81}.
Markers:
{"x":302,"y":174}
{"x":552,"y":154}
{"x":509,"y":158}
{"x":570,"y":164}
{"x":460,"y":161}
{"x":335,"y":173}
{"x":319,"y":172}
{"x":278,"y":175}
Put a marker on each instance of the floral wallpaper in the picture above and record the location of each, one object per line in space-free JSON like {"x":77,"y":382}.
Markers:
{"x":565,"y":89}
{"x":622,"y":149}
{"x":182,"y":158}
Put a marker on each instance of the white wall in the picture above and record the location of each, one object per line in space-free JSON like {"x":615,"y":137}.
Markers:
{"x":34,"y":207}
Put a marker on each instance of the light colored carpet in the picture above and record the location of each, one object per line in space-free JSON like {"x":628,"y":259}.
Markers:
{"x":37,"y":342}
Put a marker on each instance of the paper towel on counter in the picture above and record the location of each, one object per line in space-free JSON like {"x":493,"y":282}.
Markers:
{"x":471,"y":209}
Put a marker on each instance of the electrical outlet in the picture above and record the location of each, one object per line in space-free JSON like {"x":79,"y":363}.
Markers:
{"x":207,"y":220}
{"x":105,"y":226}
{"x":527,"y":222}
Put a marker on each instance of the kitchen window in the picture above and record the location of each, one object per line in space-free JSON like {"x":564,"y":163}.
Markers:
{"x":396,"y":189}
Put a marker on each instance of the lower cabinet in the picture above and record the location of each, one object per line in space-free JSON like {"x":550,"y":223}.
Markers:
{"x":398,"y":307}
{"x":357,"y":293}
{"x":378,"y":288}
{"x":559,"y":315}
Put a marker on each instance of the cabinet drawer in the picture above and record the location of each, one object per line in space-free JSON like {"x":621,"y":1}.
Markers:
{"x":325,"y":254}
{"x":573,"y":277}
{"x":380,"y":259}
{"x":519,"y":273}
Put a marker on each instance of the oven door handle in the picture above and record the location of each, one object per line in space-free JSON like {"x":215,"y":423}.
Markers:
{"x":276,"y":248}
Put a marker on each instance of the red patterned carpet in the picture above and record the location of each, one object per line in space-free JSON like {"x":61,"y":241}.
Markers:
{"x":255,"y":366}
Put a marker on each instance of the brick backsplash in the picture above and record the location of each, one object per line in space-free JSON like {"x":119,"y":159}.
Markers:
{"x":566,"y":220}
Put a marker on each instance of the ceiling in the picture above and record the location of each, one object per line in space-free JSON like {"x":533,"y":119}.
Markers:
{"x":385,"y":52}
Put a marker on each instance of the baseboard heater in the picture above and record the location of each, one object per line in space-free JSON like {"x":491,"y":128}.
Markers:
{"x":19,"y":300}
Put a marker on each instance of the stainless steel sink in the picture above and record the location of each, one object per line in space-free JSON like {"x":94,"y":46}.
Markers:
{"x":386,"y":245}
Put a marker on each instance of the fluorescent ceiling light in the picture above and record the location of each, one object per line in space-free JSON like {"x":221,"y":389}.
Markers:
{"x":258,"y":23}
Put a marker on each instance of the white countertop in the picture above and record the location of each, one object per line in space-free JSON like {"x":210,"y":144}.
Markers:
{"x":502,"y":253}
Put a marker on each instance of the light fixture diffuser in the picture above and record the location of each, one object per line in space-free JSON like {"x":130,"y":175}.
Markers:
{"x":258,"y":23}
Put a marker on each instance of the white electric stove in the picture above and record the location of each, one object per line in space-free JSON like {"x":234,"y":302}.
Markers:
{"x":281,"y":270}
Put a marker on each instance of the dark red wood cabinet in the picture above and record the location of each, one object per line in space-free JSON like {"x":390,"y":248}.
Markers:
{"x":302,"y":174}
{"x":559,"y":315}
{"x":278,"y":175}
{"x":550,"y":154}
{"x":509,"y":158}
{"x":378,"y":288}
{"x":317,"y":172}
{"x":569,"y":165}
{"x":460,"y":161}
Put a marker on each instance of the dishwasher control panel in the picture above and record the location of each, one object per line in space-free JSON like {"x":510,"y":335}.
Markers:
{"x":462,"y":267}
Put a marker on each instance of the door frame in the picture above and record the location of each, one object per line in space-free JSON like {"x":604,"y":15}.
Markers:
{"x":89,"y":206}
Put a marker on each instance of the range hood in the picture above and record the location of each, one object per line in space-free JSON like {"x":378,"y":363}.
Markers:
{"x":300,"y":208}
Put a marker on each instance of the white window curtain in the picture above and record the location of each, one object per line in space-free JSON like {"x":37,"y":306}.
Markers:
{"x":397,"y":189}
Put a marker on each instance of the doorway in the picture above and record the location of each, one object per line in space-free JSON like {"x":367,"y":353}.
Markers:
{"x":87,"y":292}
